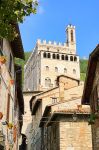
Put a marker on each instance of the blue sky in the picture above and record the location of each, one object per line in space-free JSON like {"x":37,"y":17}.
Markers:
{"x":52,"y":18}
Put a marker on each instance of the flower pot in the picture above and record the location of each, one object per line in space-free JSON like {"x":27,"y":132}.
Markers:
{"x":10,"y":125}
{"x":12,"y":81}
{"x":1,"y":115}
{"x":2,"y":59}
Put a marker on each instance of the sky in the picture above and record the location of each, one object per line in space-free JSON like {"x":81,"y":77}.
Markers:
{"x":52,"y":18}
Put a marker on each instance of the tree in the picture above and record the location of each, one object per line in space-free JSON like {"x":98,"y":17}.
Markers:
{"x":14,"y":11}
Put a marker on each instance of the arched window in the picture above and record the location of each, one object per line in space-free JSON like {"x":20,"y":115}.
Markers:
{"x":58,"y":56}
{"x":72,"y":36}
{"x":49,"y":55}
{"x":56,"y":69}
{"x":75,"y":58}
{"x":66,"y":57}
{"x":47,"y":68}
{"x":74,"y":71}
{"x":65,"y":70}
{"x":71,"y":58}
{"x":47,"y":82}
{"x":62,"y":57}
{"x":44,"y":55}
{"x":53,"y":56}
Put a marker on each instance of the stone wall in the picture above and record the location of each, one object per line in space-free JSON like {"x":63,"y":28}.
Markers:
{"x":75,"y":136}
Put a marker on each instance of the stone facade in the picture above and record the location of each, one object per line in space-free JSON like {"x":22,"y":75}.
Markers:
{"x":49,"y":60}
{"x":11,"y":99}
{"x":51,"y":133}
{"x":91,"y":94}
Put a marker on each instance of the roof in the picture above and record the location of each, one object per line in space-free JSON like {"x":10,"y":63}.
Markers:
{"x":72,"y":111}
{"x":66,"y":112}
{"x":82,"y":111}
{"x":40,"y":93}
{"x":67,"y":77}
{"x":92,"y":63}
{"x":36,"y":106}
{"x":16,"y":44}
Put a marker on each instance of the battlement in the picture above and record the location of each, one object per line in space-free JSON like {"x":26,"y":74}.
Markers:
{"x":50,"y":43}
{"x":70,"y":26}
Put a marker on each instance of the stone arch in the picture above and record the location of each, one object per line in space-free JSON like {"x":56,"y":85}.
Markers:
{"x":62,"y":57}
{"x":65,"y":70}
{"x":44,"y":55}
{"x":56,"y":69}
{"x":54,"y":56}
{"x":47,"y":68}
{"x":71,"y":58}
{"x":58,"y":57}
{"x":49,"y":55}
{"x":75,"y":58}
{"x":74,"y":71}
{"x":47,"y":82}
{"x":66,"y":57}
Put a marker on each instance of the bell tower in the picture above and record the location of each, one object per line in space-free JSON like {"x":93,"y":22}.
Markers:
{"x":71,"y":38}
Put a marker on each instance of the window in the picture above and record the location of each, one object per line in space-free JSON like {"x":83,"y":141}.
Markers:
{"x":62,"y":57}
{"x":54,"y":100}
{"x":56,"y":69}
{"x":58,"y":56}
{"x":74,"y":71}
{"x":49,"y":55}
{"x":72,"y":36}
{"x":47,"y":68}
{"x":44,"y":55}
{"x":71,"y":58}
{"x":66,"y":57}
{"x":47,"y":82}
{"x":75,"y":58}
{"x":53,"y":56}
{"x":65,"y":70}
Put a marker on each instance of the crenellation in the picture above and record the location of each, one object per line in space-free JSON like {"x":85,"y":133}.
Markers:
{"x":49,"y":42}
{"x":55,"y":43}
{"x":59,"y":58}
{"x":44,"y":41}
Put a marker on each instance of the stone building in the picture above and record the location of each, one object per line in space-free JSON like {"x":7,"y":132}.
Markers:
{"x":91,"y":94}
{"x":56,"y":108}
{"x":65,"y":128}
{"x":49,"y":60}
{"x":11,"y":98}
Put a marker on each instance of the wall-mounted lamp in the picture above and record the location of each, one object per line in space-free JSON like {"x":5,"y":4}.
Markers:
{"x":74,"y":117}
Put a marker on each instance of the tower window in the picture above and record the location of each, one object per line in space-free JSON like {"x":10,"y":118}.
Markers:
{"x":65,"y":70}
{"x":75,"y":58}
{"x":72,"y":36}
{"x":62,"y":57}
{"x":56,"y":69}
{"x":53,"y":56}
{"x":66,"y":57}
{"x":49,"y":55}
{"x":74,"y":71}
{"x":47,"y":82}
{"x":44,"y":55}
{"x":58,"y":56}
{"x":71,"y":58}
{"x":47,"y":68}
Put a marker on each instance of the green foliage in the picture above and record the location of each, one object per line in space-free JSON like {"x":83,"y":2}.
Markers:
{"x":92,"y":119}
{"x":22,"y":63}
{"x":14,"y":11}
{"x":83,"y":65}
